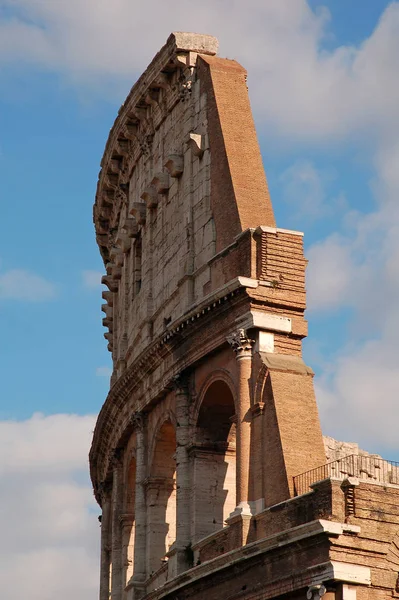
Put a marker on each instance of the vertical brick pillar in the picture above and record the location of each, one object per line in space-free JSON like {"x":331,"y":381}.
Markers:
{"x":183,"y":479}
{"x":116,"y":546}
{"x":105,"y":542}
{"x":140,"y":511}
{"x":242,"y":346}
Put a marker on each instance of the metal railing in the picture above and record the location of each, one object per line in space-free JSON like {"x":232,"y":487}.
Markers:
{"x":366,"y":468}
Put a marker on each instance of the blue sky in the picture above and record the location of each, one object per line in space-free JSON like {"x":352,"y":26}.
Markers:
{"x":323,"y":81}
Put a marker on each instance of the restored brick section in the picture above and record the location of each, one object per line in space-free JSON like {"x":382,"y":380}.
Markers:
{"x":281,"y":259}
{"x":299,"y":429}
{"x":237,"y":171}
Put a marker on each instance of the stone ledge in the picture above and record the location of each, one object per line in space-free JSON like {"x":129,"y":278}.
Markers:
{"x":346,"y":572}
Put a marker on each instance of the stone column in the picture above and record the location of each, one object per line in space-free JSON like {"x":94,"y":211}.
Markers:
{"x":183,"y":478}
{"x":116,"y":546}
{"x":242,"y":345}
{"x":105,"y":542}
{"x":140,"y":511}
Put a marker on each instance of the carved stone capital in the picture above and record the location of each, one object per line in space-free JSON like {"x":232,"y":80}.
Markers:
{"x":116,"y":459}
{"x":315,"y":592}
{"x":138,"y":420}
{"x":104,"y":490}
{"x":180,"y":384}
{"x":241,"y":343}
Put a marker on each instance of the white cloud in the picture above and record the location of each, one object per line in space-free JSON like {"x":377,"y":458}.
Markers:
{"x":91,"y":279}
{"x":50,"y":532}
{"x":18,"y":284}
{"x":103,"y":372}
{"x":306,"y":189}
{"x":330,"y":273}
{"x":24,"y":445}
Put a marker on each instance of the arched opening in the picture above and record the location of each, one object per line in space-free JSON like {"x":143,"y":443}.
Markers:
{"x":214,"y":457}
{"x":127,"y":519}
{"x":161,"y":497}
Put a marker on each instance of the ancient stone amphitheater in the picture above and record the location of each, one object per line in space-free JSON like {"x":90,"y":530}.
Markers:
{"x":208,"y":459}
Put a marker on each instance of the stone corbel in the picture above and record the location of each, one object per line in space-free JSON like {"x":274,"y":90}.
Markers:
{"x":152,"y":97}
{"x":114,"y":165}
{"x":196,"y":143}
{"x":122,"y":146}
{"x":116,"y":272}
{"x":161,"y":182}
{"x":107,"y":198}
{"x":108,"y":297}
{"x":110,"y":283}
{"x":139,"y":211}
{"x":150,"y":196}
{"x":131,"y":130}
{"x":111,"y":180}
{"x":140,"y":113}
{"x":104,"y":212}
{"x":108,"y":310}
{"x":110,"y":339}
{"x":174,"y":165}
{"x":130,"y":226}
{"x":102,"y":226}
{"x":108,"y":268}
{"x":161,"y":81}
{"x":102,"y":239}
{"x":123,"y":242}
{"x":115,"y":253}
{"x":108,"y":322}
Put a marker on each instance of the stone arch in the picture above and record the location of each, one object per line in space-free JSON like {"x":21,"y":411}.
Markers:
{"x":161,"y":493}
{"x":167,"y":415}
{"x":217,"y":375}
{"x":214,"y":457}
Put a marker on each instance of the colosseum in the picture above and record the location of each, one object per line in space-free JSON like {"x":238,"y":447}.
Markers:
{"x":208,"y":459}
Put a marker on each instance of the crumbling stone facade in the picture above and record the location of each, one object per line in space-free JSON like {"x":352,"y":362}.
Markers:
{"x":211,"y":415}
